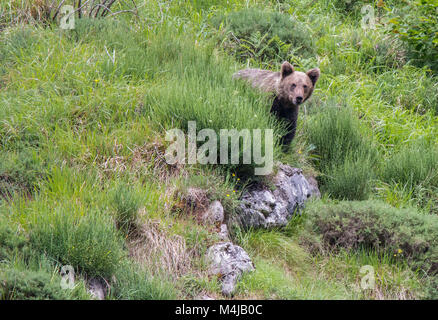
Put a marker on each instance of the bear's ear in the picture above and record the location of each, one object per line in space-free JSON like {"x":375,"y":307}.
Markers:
{"x":286,"y":69}
{"x":313,"y":74}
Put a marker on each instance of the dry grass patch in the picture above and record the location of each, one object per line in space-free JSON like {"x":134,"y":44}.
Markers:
{"x":158,"y":251}
{"x":152,"y":155}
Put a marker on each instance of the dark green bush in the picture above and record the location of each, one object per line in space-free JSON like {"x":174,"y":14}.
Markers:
{"x":416,"y":24}
{"x":262,"y":36}
{"x":402,"y":233}
{"x":432,"y":289}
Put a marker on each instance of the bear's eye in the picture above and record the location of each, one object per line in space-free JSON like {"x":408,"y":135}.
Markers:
{"x":305,"y":87}
{"x":293,"y":86}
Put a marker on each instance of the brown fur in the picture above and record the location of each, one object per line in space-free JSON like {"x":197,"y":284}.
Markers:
{"x":291,"y":88}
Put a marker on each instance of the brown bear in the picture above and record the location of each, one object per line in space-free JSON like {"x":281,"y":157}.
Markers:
{"x":291,"y":88}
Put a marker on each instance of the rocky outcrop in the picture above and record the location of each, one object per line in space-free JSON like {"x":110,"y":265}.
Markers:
{"x":229,"y":262}
{"x":195,"y":201}
{"x":262,"y":207}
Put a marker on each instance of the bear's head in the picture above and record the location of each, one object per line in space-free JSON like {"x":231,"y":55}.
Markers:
{"x":296,"y":87}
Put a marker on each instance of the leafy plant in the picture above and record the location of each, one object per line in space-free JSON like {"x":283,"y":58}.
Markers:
{"x":417,"y":26}
{"x":260,"y":36}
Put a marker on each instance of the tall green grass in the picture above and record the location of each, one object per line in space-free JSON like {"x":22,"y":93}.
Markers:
{"x":412,"y":171}
{"x":344,"y":154}
{"x":132,"y":283}
{"x":413,"y":165}
{"x":88,"y":242}
{"x":83,"y":116}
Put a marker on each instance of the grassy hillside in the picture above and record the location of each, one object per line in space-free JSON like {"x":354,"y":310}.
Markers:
{"x":83,"y":117}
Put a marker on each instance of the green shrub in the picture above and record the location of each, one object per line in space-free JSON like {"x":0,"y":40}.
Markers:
{"x":126,"y":204}
{"x":356,"y":49}
{"x":262,"y":36}
{"x":413,"y":165}
{"x":30,"y":285}
{"x":416,"y":25}
{"x":87,"y":241}
{"x":349,"y":179}
{"x":432,"y":289}
{"x":413,"y":170}
{"x":11,"y":240}
{"x":132,"y":283}
{"x":403,"y":234}
{"x":39,"y":280}
{"x":388,"y":53}
{"x":342,"y":152}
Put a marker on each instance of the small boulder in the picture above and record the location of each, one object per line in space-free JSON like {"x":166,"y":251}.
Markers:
{"x":229,"y":261}
{"x":214,"y":214}
{"x":97,"y":289}
{"x":261,"y":207}
{"x":223,"y":233}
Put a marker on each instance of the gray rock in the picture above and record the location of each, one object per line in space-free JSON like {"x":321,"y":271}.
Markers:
{"x":97,"y":289}
{"x":223,"y":234}
{"x":229,"y":261}
{"x":314,"y":186}
{"x":265,"y":208}
{"x":214,"y":214}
